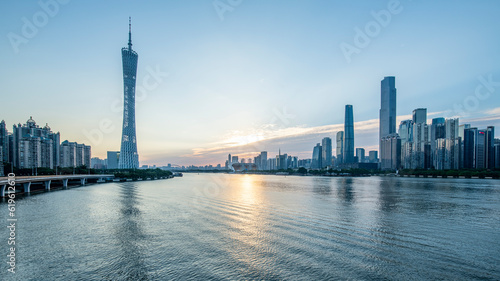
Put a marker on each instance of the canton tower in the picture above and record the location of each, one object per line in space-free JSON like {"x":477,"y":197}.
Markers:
{"x":129,"y":159}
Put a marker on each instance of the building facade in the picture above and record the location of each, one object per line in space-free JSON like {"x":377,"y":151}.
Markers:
{"x":316,"y":162}
{"x":326,"y":151}
{"x":387,"y":114}
{"x":348,"y":135}
{"x":391,"y":151}
{"x":33,"y":146}
{"x":340,"y":148}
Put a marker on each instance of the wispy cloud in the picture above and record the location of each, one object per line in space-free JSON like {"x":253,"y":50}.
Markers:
{"x":299,"y":140}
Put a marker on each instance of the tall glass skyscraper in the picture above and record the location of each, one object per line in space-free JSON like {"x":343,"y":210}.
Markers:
{"x":326,"y":161}
{"x":129,"y":159}
{"x":348,"y":135}
{"x":387,"y":118}
{"x":340,"y":147}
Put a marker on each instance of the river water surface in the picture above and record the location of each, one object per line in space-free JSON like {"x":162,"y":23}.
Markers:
{"x":260,"y":227}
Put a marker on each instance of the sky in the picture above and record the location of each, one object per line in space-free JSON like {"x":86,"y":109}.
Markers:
{"x":243,"y":76}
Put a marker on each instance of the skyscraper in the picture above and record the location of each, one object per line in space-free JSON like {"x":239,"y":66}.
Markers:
{"x":326,"y":143}
{"x":437,"y":131}
{"x":470,"y":144}
{"x":340,"y":148}
{"x":129,"y":159}
{"x":420,"y":115}
{"x":391,"y":149}
{"x":317,"y":157}
{"x":348,"y":135}
{"x":489,"y":148}
{"x":360,"y":154}
{"x":387,"y":119}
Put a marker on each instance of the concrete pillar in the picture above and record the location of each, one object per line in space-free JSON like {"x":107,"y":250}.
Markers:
{"x":2,"y":190}
{"x":65,"y":183}
{"x":47,"y":184}
{"x":27,"y":187}
{"x":82,"y":181}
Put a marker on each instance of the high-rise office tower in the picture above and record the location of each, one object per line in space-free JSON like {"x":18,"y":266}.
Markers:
{"x":348,"y":135}
{"x":406,"y":131}
{"x":340,"y":147}
{"x":420,"y":115}
{"x":317,"y":157}
{"x":360,"y":154}
{"x":263,"y":160}
{"x":373,"y":156}
{"x":470,"y":143}
{"x":387,"y":118}
{"x":481,"y":149}
{"x":453,"y":145}
{"x":129,"y":159}
{"x":497,"y":153}
{"x":489,"y":148}
{"x":326,"y":159}
{"x":391,"y":149}
{"x":437,"y":131}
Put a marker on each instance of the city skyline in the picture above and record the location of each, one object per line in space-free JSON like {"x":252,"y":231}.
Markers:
{"x":209,"y":96}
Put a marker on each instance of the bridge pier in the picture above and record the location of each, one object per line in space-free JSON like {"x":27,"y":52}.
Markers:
{"x":82,"y":181}
{"x":2,"y":189}
{"x":47,"y":184}
{"x":65,"y":183}
{"x":27,"y":187}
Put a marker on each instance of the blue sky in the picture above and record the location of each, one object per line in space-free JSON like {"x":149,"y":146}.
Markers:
{"x":264,"y":75}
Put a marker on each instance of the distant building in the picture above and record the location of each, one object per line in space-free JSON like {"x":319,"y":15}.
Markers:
{"x":419,"y":115}
{"x":476,"y":148}
{"x":391,"y":148}
{"x":304,"y":163}
{"x":97,"y":163}
{"x":33,"y":146}
{"x":387,"y":114}
{"x":437,"y":131}
{"x":348,"y":135}
{"x":340,"y":147}
{"x":4,"y":142}
{"x":75,"y":155}
{"x":373,"y":156}
{"x":326,"y":151}
{"x":489,"y":148}
{"x":497,"y":153}
{"x":360,"y":154}
{"x":281,"y":161}
{"x":316,"y":157}
{"x":421,"y":152}
{"x":112,"y":160}
{"x":234,"y":159}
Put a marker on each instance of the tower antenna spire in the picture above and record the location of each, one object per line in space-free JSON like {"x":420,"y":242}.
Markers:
{"x":129,"y":33}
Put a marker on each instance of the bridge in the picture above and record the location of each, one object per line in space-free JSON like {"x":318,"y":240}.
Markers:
{"x":26,"y":181}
